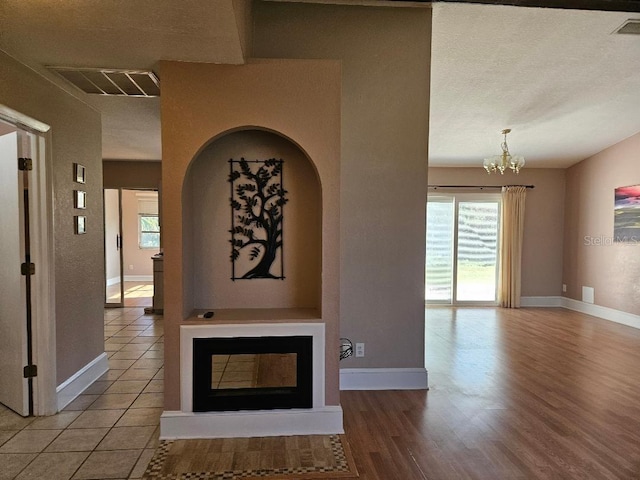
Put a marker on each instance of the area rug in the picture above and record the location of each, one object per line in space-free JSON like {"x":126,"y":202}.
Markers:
{"x":286,"y":458}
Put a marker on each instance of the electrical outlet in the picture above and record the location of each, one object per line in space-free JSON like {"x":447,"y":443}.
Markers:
{"x":359,"y":349}
{"x":564,"y":288}
{"x":130,"y":267}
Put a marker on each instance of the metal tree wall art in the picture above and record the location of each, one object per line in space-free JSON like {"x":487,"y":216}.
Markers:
{"x":257,"y":201}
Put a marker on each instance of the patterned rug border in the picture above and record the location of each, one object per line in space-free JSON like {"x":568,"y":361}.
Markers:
{"x":339,"y":446}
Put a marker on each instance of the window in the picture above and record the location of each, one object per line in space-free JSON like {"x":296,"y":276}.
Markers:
{"x":148,"y":231}
{"x":148,"y":220}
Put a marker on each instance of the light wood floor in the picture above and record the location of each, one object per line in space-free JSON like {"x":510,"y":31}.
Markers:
{"x":515,"y":394}
{"x":136,"y":294}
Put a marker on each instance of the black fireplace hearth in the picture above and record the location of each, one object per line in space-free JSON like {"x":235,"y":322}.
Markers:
{"x":252,"y":373}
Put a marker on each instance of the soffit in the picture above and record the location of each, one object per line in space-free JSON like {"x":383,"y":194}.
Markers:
{"x":120,"y":33}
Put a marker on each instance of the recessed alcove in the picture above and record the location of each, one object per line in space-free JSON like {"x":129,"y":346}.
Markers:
{"x":280,"y":109}
{"x":206,"y":225}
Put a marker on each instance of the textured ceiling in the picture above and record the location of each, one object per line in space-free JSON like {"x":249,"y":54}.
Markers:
{"x":566,"y":86}
{"x":559,"y":79}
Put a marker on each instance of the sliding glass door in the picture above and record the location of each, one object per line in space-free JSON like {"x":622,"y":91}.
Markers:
{"x":462,"y":248}
{"x":440,"y":248}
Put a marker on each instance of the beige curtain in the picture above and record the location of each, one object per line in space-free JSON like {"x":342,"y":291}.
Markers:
{"x":511,"y":235}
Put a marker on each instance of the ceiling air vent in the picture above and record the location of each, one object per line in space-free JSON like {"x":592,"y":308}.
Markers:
{"x":104,"y":81}
{"x":630,"y":27}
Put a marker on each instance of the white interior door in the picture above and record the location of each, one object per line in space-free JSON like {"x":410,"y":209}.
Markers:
{"x":13,"y":302}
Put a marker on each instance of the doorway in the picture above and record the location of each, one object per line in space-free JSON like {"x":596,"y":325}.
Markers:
{"x":132,"y":238}
{"x":462,"y":249}
{"x":27,"y":312}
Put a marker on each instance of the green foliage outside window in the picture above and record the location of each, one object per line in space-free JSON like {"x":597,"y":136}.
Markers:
{"x":149,"y":226}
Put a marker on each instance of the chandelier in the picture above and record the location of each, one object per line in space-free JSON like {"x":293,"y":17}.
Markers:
{"x":499,"y":163}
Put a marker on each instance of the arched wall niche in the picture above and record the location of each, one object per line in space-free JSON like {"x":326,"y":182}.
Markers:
{"x":202,"y":102}
{"x":207,"y":220}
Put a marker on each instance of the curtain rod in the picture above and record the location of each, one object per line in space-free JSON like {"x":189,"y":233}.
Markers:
{"x":479,"y":186}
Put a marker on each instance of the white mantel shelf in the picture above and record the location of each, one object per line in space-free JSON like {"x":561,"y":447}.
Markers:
{"x":254,"y":315}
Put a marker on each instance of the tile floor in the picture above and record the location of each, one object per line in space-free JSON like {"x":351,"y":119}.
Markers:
{"x":108,"y":432}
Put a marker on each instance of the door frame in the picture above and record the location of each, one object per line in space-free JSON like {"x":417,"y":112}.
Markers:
{"x":45,"y":400}
{"x":122,"y":237}
{"x":120,"y":249}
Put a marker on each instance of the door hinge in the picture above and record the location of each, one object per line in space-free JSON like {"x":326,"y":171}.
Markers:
{"x":25,"y":164}
{"x":30,"y":371}
{"x":28,"y":269}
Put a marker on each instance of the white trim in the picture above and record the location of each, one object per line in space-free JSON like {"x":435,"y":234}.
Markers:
{"x":549,"y":301}
{"x":599,"y":311}
{"x":81,"y":380}
{"x":45,"y":401}
{"x":318,"y":420}
{"x":113,"y":281}
{"x":384,"y":379}
{"x":42,"y":255}
{"x":258,"y":423}
{"x":20,"y":120}
{"x":605,"y":313}
{"x":138,"y":278}
{"x":189,"y":332}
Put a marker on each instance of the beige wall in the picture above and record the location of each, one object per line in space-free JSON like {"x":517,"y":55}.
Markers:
{"x":208,"y":218}
{"x":543,"y":223}
{"x":203,"y":102}
{"x":385,"y":55}
{"x":136,"y":260}
{"x":591,"y":258}
{"x":132,"y":174}
{"x":79,"y":259}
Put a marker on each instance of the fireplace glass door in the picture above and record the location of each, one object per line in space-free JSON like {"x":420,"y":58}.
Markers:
{"x":252,"y":373}
{"x":258,"y":370}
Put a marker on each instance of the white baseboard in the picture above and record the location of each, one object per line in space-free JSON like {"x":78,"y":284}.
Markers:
{"x":247,"y":423}
{"x":113,"y":281}
{"x":605,"y":313}
{"x":81,"y":380}
{"x":541,"y":301}
{"x":599,"y":311}
{"x":138,"y":278}
{"x":384,"y":379}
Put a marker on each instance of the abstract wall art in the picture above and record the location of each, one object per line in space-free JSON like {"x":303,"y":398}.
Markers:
{"x":626,"y":223}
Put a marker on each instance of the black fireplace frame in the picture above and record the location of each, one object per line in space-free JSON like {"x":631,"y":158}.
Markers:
{"x":207,"y":399}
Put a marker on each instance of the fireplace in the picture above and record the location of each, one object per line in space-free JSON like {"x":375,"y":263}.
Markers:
{"x":241,"y":327}
{"x":252,"y":373}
